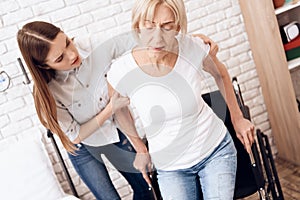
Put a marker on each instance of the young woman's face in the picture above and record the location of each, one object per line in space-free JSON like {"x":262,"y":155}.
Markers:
{"x":158,"y":35}
{"x":63,"y":55}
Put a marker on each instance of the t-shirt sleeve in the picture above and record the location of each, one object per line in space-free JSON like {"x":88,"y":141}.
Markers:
{"x":202,"y":49}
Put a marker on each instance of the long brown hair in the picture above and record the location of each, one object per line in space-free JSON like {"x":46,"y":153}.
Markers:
{"x":34,"y":41}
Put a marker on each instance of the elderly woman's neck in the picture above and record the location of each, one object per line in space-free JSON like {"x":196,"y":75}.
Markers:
{"x":151,"y":56}
{"x":153,"y":63}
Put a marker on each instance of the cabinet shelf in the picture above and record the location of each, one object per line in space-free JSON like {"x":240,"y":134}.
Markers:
{"x":294,"y":63}
{"x":286,"y":7}
{"x":291,"y":13}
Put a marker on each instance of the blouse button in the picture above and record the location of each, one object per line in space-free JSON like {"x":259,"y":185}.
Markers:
{"x":100,"y":99}
{"x":87,"y":85}
{"x":105,"y":75}
{"x":79,"y":105}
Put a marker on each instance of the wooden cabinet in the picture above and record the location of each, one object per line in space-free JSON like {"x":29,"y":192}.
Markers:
{"x":274,"y":76}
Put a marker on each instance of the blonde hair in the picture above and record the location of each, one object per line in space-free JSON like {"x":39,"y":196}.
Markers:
{"x":34,"y":41}
{"x":144,"y":9}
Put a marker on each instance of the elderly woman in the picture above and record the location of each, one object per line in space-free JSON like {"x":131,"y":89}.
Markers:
{"x":162,"y":77}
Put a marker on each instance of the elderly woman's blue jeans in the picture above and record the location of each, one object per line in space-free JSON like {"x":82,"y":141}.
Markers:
{"x":91,"y":169}
{"x":216,"y":173}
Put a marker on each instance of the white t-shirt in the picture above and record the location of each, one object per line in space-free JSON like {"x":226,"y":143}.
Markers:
{"x":180,"y":127}
{"x":82,"y":93}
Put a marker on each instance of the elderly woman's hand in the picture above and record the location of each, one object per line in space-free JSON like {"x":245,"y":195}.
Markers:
{"x":143,"y":163}
{"x":245,"y":132}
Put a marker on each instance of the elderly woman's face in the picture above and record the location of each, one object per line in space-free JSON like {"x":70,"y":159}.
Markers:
{"x":158,"y":35}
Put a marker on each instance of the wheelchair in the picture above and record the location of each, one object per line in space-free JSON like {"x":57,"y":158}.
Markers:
{"x":256,"y":172}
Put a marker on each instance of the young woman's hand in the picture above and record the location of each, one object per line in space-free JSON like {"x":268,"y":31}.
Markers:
{"x":117,"y":102}
{"x":213,"y":46}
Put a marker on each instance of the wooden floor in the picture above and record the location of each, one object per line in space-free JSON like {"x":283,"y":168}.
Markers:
{"x":289,"y":176}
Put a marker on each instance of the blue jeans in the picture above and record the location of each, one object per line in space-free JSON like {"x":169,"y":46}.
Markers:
{"x":91,"y":169}
{"x":216,"y":174}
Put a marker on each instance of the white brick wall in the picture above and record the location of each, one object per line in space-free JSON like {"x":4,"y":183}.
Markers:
{"x":219,"y":19}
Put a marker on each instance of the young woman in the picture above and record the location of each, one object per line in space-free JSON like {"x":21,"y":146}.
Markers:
{"x":163,"y":75}
{"x":70,"y":96}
